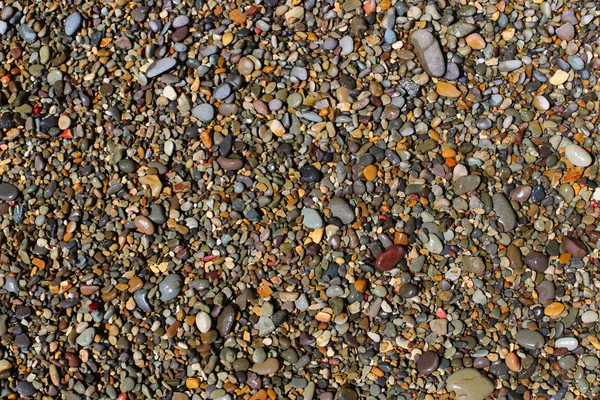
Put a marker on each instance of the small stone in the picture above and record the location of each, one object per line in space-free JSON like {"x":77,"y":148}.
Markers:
{"x":26,"y":388}
{"x":554,"y":309}
{"x":566,"y":32}
{"x":466,"y":184}
{"x":86,"y":337}
{"x":504,"y":211}
{"x":541,"y":103}
{"x":439,"y":326}
{"x":346,"y":394}
{"x":568,"y":343}
{"x":509,"y":66}
{"x":311,"y":218}
{"x":461,"y":29}
{"x":469,"y":384}
{"x":144,"y":225}
{"x":340,"y":208}
{"x":575,"y":247}
{"x":203,"y":322}
{"x":226,"y":320}
{"x":268,"y":367}
{"x":537,"y":261}
{"x":589,"y":316}
{"x":530,"y":340}
{"x":512,"y":362}
{"x":8,"y":192}
{"x":245,"y":66}
{"x":475,"y":41}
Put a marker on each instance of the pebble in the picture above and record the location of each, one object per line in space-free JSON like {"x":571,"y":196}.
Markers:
{"x":170,"y":287}
{"x":267,"y":367}
{"x":505,"y":212}
{"x":160,"y":67}
{"x":86,"y":337}
{"x":73,"y":24}
{"x":8,"y":192}
{"x":203,"y":322}
{"x":578,"y":156}
{"x":340,"y":208}
{"x":204,"y":112}
{"x":530,"y":340}
{"x":389,"y":259}
{"x":428,"y":52}
{"x":537,"y":261}
{"x":311,"y":218}
{"x":469,"y":384}
{"x":428,"y":363}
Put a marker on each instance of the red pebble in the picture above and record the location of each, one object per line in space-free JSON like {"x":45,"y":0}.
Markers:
{"x":389,"y":258}
{"x":37,"y":109}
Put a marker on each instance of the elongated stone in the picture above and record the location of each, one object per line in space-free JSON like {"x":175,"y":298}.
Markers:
{"x":267,"y":367}
{"x":388,"y":259}
{"x":506,"y":214}
{"x":578,"y":156}
{"x":226,"y":320}
{"x":428,"y":52}
{"x":73,"y":23}
{"x":575,"y":247}
{"x":161,"y":66}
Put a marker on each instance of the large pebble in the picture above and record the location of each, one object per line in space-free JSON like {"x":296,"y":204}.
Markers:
{"x":469,"y":384}
{"x":537,"y":261}
{"x":161,"y":66}
{"x":267,"y":367}
{"x":466,"y":184}
{"x":86,"y":337}
{"x":73,"y":24}
{"x":226,"y":320}
{"x":428,"y":363}
{"x":8,"y":192}
{"x":341,"y":209}
{"x":390,"y":258}
{"x":311,"y":218}
{"x":531,"y":340}
{"x":170,"y":287}
{"x":505,"y":212}
{"x":578,"y":156}
{"x":428,"y":52}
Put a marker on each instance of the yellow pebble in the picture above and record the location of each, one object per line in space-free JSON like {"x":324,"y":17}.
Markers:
{"x":370,"y":172}
{"x":447,"y":90}
{"x":554,"y":309}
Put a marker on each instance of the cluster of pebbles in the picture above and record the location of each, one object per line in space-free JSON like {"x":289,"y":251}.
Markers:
{"x":285,"y":199}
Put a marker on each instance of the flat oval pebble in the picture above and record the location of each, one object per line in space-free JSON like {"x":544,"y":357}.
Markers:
{"x":578,"y":156}
{"x":73,"y":23}
{"x":389,"y":258}
{"x":469,"y":384}
{"x":529,"y":339}
{"x":160,"y":67}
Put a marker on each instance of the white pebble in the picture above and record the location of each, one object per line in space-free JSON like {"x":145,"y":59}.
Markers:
{"x":578,"y":156}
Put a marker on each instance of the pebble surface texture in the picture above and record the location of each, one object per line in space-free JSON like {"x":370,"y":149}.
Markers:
{"x":307,"y":200}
